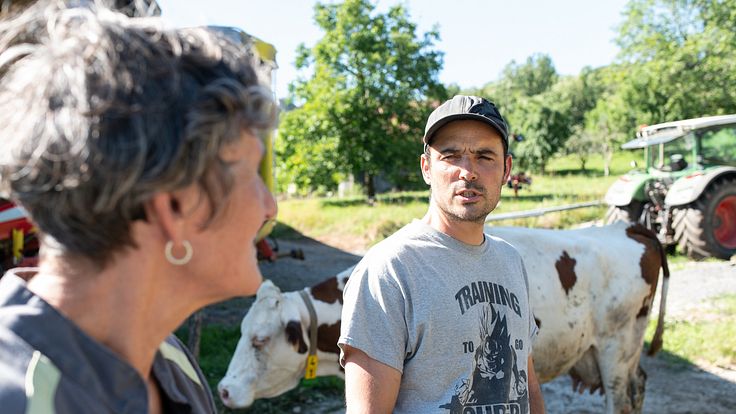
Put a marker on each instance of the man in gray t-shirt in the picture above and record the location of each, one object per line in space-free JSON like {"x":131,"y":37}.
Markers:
{"x":436,"y":318}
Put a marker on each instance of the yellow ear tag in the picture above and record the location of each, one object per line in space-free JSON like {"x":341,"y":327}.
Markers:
{"x":311,"y":371}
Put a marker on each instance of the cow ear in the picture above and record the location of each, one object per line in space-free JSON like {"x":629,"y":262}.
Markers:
{"x":295,"y":336}
{"x":267,"y":288}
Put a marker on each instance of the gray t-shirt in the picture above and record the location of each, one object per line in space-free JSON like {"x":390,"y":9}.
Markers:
{"x":453,"y":318}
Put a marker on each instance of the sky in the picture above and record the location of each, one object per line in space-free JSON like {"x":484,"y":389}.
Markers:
{"x":479,"y":37}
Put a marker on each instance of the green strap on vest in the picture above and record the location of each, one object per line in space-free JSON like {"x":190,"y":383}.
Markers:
{"x":42,"y":379}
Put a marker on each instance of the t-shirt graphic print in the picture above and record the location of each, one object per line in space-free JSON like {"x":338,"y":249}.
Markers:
{"x":496,"y":385}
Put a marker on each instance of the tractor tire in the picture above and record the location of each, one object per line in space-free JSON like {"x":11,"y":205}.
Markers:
{"x":707,"y":227}
{"x":629,"y":213}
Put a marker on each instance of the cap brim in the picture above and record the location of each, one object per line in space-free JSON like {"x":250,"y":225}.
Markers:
{"x":457,"y":117}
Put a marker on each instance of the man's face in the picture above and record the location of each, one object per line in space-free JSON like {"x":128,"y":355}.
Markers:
{"x":466,"y":169}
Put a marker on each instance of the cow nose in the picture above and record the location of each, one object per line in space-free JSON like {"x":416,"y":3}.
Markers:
{"x":224,"y":394}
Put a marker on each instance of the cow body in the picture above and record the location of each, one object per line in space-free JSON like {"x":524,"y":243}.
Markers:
{"x":591,"y":291}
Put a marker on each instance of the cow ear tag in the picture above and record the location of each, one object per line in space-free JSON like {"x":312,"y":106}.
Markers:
{"x":311,"y":371}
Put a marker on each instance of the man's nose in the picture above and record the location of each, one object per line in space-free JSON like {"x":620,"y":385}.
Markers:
{"x":467,"y":170}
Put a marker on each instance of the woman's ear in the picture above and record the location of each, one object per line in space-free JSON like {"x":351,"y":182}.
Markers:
{"x":164,"y":210}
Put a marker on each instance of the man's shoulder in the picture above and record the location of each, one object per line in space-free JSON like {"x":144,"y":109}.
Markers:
{"x":406,"y":241}
{"x":500,"y":245}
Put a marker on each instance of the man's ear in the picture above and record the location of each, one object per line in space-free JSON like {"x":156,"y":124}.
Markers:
{"x":424,"y":162}
{"x":507,"y":172}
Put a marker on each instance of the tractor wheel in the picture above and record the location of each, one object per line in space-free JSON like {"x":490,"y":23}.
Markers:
{"x":707,"y":227}
{"x":629,"y":213}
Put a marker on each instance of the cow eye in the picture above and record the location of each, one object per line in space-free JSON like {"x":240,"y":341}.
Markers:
{"x":259,"y":342}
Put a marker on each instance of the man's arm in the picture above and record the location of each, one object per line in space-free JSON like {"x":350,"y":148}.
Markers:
{"x":536,"y":400}
{"x":370,"y":386}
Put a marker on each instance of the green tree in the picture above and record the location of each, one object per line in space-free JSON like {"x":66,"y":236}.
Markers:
{"x":604,"y":123}
{"x":679,"y":58}
{"x":530,"y":78}
{"x":535,"y":109}
{"x":364,"y":106}
{"x":544,"y":128}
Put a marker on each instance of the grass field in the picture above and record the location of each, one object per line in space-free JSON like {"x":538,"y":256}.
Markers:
{"x":711,"y":338}
{"x":352,"y":224}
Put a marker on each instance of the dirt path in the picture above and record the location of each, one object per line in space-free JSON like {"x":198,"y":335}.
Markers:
{"x":670,"y":390}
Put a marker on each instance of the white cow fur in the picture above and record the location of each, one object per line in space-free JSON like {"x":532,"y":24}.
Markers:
{"x":592,"y":327}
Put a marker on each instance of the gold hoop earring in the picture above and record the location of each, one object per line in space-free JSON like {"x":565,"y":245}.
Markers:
{"x":178,"y":261}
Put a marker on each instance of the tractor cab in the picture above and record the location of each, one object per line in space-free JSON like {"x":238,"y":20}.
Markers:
{"x":686,"y":192}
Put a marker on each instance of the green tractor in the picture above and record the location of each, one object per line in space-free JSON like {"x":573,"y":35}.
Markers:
{"x":687,"y":191}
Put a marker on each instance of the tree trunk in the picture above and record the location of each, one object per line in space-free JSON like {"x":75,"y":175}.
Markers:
{"x":607,"y":157}
{"x":370,"y":188}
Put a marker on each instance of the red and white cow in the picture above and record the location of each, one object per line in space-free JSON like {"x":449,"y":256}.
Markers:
{"x":591,"y":291}
{"x":271,"y":355}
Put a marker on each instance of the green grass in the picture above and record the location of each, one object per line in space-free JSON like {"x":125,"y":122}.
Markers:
{"x":351,"y":221}
{"x":710,"y":338}
{"x":217,"y":345}
{"x":353,"y":224}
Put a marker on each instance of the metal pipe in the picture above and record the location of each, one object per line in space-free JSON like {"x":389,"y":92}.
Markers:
{"x":540,"y":211}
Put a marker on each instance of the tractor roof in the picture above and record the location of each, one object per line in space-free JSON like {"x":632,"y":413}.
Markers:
{"x":668,"y":131}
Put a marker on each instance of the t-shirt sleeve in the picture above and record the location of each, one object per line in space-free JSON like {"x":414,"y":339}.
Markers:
{"x":373,"y":316}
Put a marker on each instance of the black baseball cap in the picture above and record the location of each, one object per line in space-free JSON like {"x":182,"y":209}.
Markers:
{"x":466,"y":107}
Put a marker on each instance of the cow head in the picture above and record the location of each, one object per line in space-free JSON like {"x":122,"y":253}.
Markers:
{"x":271,"y":353}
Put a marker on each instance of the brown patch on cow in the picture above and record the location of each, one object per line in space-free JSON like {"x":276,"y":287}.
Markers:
{"x":295,"y":336}
{"x":538,"y":323}
{"x":566,"y":269}
{"x":327,"y":336}
{"x":643,"y":312}
{"x":327,"y":291}
{"x":653,"y":257}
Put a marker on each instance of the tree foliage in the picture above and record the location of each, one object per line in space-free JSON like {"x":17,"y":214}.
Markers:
{"x":530,"y":103}
{"x":679,"y":57}
{"x":677,"y":61}
{"x":363,"y":108}
{"x":544,"y":127}
{"x":533,"y":77}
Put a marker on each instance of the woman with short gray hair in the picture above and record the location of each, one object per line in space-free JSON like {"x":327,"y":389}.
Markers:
{"x":135,"y":151}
